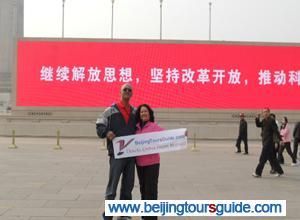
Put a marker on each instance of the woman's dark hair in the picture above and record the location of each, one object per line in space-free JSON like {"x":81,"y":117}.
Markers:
{"x":137,"y":114}
{"x":285,"y":123}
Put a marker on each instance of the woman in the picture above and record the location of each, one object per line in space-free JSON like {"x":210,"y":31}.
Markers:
{"x":286,"y":141}
{"x":147,"y":165}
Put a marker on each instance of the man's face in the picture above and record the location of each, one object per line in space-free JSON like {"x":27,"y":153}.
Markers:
{"x":126,"y":92}
{"x":266,"y":113}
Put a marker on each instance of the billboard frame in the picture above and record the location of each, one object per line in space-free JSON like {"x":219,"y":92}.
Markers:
{"x":91,"y":112}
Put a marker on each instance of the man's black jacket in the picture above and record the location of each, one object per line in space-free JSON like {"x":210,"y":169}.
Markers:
{"x":268,"y":130}
{"x":112,"y":120}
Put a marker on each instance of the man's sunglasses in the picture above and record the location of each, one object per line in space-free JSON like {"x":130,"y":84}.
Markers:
{"x":127,"y":90}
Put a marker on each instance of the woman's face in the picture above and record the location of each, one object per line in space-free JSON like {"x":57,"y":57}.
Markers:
{"x":144,"y":114}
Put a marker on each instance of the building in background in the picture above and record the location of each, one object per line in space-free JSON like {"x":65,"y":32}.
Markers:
{"x":11,"y":28}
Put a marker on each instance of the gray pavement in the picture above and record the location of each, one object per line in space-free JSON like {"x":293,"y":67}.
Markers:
{"x":40,"y":183}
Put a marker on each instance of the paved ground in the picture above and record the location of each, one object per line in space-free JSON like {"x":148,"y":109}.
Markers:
{"x":39,"y":183}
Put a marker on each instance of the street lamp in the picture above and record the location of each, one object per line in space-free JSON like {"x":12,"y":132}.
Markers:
{"x":209,"y":27}
{"x":160,"y":33}
{"x":112,"y":18}
{"x":63,"y":19}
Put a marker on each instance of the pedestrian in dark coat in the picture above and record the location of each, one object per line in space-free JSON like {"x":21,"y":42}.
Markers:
{"x":296,"y":136}
{"x":268,"y":132}
{"x":243,"y":134}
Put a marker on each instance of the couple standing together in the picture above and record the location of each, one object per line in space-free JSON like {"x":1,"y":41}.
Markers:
{"x":121,"y":119}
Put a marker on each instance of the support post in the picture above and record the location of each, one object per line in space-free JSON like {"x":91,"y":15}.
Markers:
{"x":13,"y":142}
{"x":194,"y":148}
{"x":57,"y":146}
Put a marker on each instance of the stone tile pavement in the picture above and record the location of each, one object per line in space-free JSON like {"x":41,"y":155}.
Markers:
{"x":40,"y":183}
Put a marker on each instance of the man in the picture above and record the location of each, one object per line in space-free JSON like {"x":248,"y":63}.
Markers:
{"x":243,"y":134}
{"x":269,"y":130}
{"x":276,"y":140}
{"x":296,"y":136}
{"x":118,"y":120}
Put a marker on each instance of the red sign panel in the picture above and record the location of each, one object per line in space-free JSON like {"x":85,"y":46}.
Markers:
{"x":164,"y":75}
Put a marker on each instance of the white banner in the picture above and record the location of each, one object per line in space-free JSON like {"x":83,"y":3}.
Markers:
{"x":150,"y":143}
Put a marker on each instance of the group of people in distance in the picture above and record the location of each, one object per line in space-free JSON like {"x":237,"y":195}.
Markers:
{"x":275,"y":139}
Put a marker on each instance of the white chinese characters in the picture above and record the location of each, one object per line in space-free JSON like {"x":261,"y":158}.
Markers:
{"x":279,"y":77}
{"x":82,"y":74}
{"x":190,"y":76}
{"x":170,"y":75}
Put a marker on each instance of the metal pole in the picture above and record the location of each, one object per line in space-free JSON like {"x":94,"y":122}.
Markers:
{"x":103,"y":146}
{"x":57,"y":146}
{"x":194,"y":148}
{"x":209,"y":31}
{"x":63,"y":19}
{"x":13,"y":143}
{"x":112,"y":18}
{"x":160,"y":32}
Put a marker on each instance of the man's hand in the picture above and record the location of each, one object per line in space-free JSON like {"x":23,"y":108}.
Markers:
{"x":110,"y":135}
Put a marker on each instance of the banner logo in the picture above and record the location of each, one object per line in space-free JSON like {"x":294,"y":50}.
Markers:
{"x":122,"y":145}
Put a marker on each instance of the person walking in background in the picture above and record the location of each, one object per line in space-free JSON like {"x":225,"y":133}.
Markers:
{"x":243,"y":134}
{"x":147,"y":165}
{"x":286,"y":142}
{"x":296,"y":136}
{"x":118,"y":120}
{"x":276,"y":140}
{"x":269,"y":130}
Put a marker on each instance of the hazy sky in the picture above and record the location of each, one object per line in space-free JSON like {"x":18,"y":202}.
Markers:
{"x":232,"y":20}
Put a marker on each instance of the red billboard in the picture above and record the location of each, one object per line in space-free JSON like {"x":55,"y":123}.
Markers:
{"x":163,"y":74}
